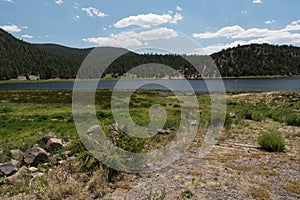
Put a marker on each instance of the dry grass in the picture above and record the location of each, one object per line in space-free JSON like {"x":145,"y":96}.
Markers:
{"x":259,"y":194}
{"x":59,"y":185}
{"x":241,"y":168}
{"x":293,"y":186}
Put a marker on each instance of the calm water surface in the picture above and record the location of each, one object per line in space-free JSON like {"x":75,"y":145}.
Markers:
{"x":231,"y":85}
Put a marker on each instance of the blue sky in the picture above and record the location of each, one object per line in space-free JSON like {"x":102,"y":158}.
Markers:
{"x":212,"y":24}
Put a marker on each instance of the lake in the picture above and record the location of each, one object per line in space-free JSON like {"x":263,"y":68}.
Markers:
{"x":231,"y":85}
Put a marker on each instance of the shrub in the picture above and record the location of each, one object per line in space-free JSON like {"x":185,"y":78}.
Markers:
{"x":272,"y":142}
{"x":187,"y":194}
{"x":293,"y":119}
{"x":257,"y":116}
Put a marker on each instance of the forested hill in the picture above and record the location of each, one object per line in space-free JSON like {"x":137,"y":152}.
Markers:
{"x":46,"y":61}
{"x":54,"y":61}
{"x":258,"y":60}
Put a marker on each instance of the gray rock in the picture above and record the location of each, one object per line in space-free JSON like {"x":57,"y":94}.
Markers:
{"x":16,"y":154}
{"x":163,"y":131}
{"x":8,"y":168}
{"x":23,"y":171}
{"x":16,"y":163}
{"x":45,"y":138}
{"x":93,"y":129}
{"x":35,"y":155}
{"x":194,"y":123}
{"x":54,"y":144}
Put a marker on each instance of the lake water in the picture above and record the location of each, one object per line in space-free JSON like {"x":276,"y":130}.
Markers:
{"x":231,"y":85}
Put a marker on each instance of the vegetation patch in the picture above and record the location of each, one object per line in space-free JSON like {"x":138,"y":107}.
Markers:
{"x":272,"y":142}
{"x":259,"y":194}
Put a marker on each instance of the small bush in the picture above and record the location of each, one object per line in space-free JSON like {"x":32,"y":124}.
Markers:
{"x":272,"y":142}
{"x":247,"y":114}
{"x":5,"y":109}
{"x":293,"y":119}
{"x":187,"y":194}
{"x":257,"y":116}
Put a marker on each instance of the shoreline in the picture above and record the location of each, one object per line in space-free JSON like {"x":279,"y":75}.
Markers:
{"x":110,"y":79}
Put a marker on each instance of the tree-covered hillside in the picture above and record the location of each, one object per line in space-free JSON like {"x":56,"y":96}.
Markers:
{"x":259,"y":60}
{"x":21,"y":58}
{"x":54,"y":61}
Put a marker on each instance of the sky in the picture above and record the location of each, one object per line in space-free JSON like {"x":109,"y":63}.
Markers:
{"x":180,"y":26}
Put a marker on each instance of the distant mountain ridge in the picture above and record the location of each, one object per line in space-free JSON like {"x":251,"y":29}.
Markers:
{"x":55,"y":61}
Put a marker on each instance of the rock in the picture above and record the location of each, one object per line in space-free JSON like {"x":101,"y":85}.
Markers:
{"x":23,"y":171}
{"x":16,"y":163}
{"x":190,"y":115}
{"x":45,"y":138}
{"x":194,"y":123}
{"x":232,"y":115}
{"x":35,"y":155}
{"x":54,"y":144}
{"x":33,"y":169}
{"x":16,"y":154}
{"x":3,"y":158}
{"x":8,"y":168}
{"x":60,"y":162}
{"x":114,"y":127}
{"x":173,"y":128}
{"x":37,"y":174}
{"x":93,"y":129}
{"x":163,"y":132}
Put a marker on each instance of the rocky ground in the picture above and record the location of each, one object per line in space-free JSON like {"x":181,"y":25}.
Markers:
{"x":235,"y":169}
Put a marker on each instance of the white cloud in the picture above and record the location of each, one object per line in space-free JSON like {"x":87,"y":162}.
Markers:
{"x":256,"y":1}
{"x":144,"y":20}
{"x":90,"y":11}
{"x":76,"y":5}
{"x":77,"y":17}
{"x":228,"y":31}
{"x":294,"y":26}
{"x":148,"y":20}
{"x":218,"y":47}
{"x":243,"y":36}
{"x":239,"y":32}
{"x":270,"y":22}
{"x":11,"y":28}
{"x":58,"y":1}
{"x":178,"y":8}
{"x":8,"y":1}
{"x":176,"y":17}
{"x":27,"y":36}
{"x":244,"y":11}
{"x":133,"y":38}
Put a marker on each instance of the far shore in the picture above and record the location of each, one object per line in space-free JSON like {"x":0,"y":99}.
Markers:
{"x":16,"y":81}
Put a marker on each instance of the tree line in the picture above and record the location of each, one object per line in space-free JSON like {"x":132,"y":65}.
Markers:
{"x":54,"y":61}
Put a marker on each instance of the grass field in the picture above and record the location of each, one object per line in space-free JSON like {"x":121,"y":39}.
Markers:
{"x":27,"y":115}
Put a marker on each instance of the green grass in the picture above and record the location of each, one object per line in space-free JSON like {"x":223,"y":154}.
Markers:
{"x":27,"y":115}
